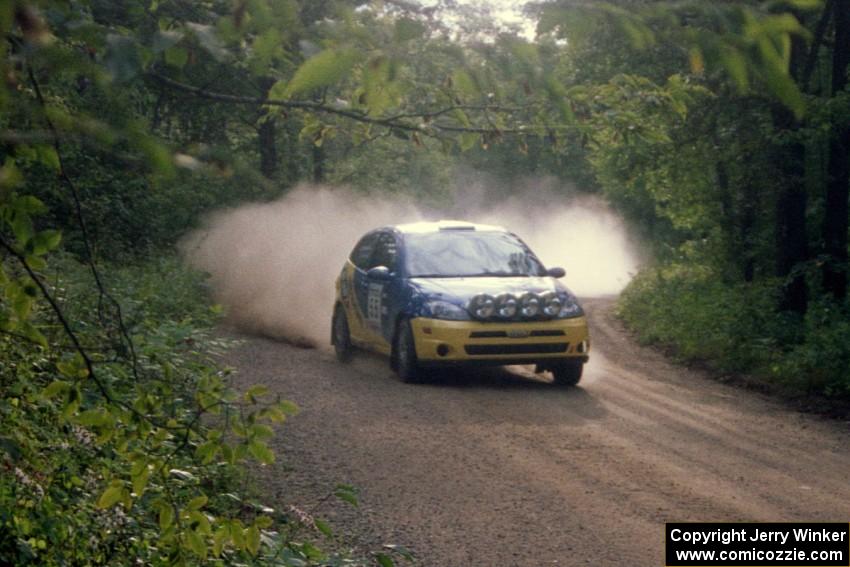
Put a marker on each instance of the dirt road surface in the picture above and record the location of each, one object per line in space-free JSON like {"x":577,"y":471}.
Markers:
{"x":497,"y":468}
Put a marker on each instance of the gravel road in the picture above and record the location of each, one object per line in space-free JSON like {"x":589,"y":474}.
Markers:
{"x":496,"y":467}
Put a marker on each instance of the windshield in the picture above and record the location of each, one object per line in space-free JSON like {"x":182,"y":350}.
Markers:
{"x":469,"y":254}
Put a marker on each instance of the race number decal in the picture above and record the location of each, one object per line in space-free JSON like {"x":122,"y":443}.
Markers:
{"x":373,"y":303}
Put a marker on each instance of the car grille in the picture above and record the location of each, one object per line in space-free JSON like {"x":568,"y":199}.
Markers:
{"x":504,"y":334}
{"x":538,"y":348}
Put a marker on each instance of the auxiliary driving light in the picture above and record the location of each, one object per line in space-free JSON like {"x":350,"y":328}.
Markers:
{"x":506,"y":305}
{"x":529,"y":305}
{"x":482,"y":306}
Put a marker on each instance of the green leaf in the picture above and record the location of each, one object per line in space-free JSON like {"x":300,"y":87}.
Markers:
{"x":287,"y":407}
{"x":10,"y":175}
{"x":261,"y":431}
{"x":197,"y":503}
{"x":207,"y":451}
{"x":22,"y":226}
{"x":467,"y":141}
{"x":261,"y":452}
{"x":779,"y":80}
{"x":21,"y":304}
{"x":140,"y":481}
{"x":464,"y":83}
{"x":176,"y":57}
{"x":111,"y":495}
{"x":166,"y":516}
{"x":196,"y":543}
{"x":32,"y":333}
{"x":45,"y":241}
{"x":199,"y":522}
{"x":321,"y":70}
{"x":237,"y":534}
{"x":221,"y":536}
{"x":55,"y":388}
{"x":29,"y":204}
{"x":252,"y":540}
{"x":323,"y":527}
{"x":266,"y":48}
{"x":47,"y":156}
{"x":347,"y":493}
{"x":254,"y":392}
{"x":93,"y":418}
{"x":36,"y":262}
{"x":736,"y":65}
{"x":558,"y":95}
{"x":384,"y":560}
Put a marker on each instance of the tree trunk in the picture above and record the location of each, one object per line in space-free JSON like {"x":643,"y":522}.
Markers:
{"x":792,"y":248}
{"x":318,"y":164}
{"x":835,"y":216}
{"x":746,"y":227}
{"x":267,"y":137}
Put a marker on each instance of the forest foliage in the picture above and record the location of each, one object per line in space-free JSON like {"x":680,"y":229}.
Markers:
{"x":719,"y":130}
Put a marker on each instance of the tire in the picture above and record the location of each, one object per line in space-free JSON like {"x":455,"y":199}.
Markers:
{"x":340,"y":335}
{"x":404,"y":354}
{"x":568,"y":373}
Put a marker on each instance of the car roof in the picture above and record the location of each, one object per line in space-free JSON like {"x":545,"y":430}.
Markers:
{"x":446,"y":225}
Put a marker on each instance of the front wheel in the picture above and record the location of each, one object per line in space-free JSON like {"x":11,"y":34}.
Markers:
{"x":340,"y":335}
{"x":404,"y":354}
{"x":568,"y":373}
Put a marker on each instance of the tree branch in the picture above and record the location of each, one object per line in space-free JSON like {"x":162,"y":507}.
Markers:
{"x":812,"y":58}
{"x":396,"y":122}
{"x":78,"y":212}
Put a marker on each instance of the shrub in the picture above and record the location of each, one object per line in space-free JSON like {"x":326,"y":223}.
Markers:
{"x":737,"y":327}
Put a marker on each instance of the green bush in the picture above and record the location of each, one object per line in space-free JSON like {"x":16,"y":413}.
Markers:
{"x":738,"y":328}
{"x":137,"y":457}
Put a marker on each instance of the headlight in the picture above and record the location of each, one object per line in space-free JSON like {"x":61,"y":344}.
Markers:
{"x":482,"y":306}
{"x":551,"y":304}
{"x":445,"y":310}
{"x":506,"y":305}
{"x":529,"y":305}
{"x":571,"y":308}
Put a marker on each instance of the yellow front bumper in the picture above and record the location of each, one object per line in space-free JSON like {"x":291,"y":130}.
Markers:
{"x":512,"y":342}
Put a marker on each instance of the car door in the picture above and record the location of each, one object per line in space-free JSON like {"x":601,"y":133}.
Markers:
{"x":386,"y":293}
{"x":352,"y":284}
{"x":376,"y":297}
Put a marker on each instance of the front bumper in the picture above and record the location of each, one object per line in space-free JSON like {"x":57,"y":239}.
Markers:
{"x":440,"y":341}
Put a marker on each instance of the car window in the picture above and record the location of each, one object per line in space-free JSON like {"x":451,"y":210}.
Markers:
{"x":362,"y":253}
{"x":386,"y":252}
{"x":469,"y":254}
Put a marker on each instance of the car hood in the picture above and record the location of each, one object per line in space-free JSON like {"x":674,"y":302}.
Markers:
{"x":461,"y":290}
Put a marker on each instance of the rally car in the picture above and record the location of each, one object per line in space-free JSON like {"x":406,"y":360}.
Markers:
{"x":450,"y":292}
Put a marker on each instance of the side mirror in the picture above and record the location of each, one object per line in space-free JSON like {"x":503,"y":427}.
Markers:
{"x":380,"y":273}
{"x":556,"y":272}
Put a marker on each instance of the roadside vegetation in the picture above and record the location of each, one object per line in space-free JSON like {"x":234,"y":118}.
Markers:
{"x":719,"y":130}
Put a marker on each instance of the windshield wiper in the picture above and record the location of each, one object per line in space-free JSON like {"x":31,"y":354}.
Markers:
{"x":497,"y":275}
{"x":481,"y":275}
{"x":437,"y":276}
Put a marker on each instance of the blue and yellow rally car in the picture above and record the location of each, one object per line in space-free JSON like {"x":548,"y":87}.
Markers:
{"x":449,"y":292}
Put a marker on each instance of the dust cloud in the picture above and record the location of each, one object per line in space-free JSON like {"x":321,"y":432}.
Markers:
{"x":583,"y":236}
{"x":273,"y":265}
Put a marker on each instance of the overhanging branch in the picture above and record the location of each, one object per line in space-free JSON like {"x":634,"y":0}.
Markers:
{"x":397,"y":122}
